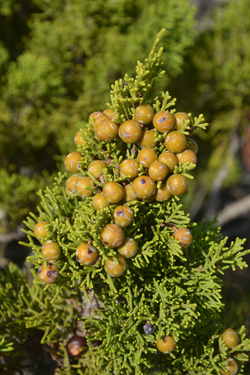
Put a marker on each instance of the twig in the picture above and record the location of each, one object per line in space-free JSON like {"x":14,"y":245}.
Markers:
{"x":213,"y":198}
{"x":234,"y":210}
{"x":11,"y":236}
{"x":211,"y":211}
{"x":200,"y":196}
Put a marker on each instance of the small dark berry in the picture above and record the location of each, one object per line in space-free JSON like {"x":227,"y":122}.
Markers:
{"x":76,"y":346}
{"x":148,"y":328}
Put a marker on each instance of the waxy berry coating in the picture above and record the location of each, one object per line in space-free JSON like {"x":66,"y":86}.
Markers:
{"x":110,"y":113}
{"x":51,"y":251}
{"x":72,"y":161}
{"x":162,"y":194}
{"x":183,"y":236}
{"x":113,"y":192}
{"x":130,"y":131}
{"x":86,"y":254}
{"x":112,"y":235}
{"x":128,"y":248}
{"x":192,"y":145}
{"x":187,"y":156}
{"x":40,"y":230}
{"x":231,"y":367}
{"x":114,"y":269}
{"x":163,"y":121}
{"x":166,"y":345}
{"x":147,"y":139}
{"x":230,"y":337}
{"x":99,"y":120}
{"x":95,"y":168}
{"x":158,"y":171}
{"x":175,"y":141}
{"x":78,"y":137}
{"x":147,"y":156}
{"x":71,"y":184}
{"x":177,"y":184}
{"x":144,"y":187}
{"x":82,"y":187}
{"x":48,"y":274}
{"x":170,"y":159}
{"x":129,"y":168}
{"x":106,"y":130}
{"x":94,"y":116}
{"x":123,"y":216}
{"x":76,"y":346}
{"x":129,"y":195}
{"x":149,"y":199}
{"x":99,"y":202}
{"x":180,"y":117}
{"x":144,"y":113}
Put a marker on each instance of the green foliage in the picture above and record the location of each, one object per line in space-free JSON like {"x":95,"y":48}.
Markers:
{"x":182,"y":300}
{"x":59,"y":68}
{"x":71,"y":63}
{"x":82,"y":223}
{"x":14,"y":294}
{"x":5,"y":346}
{"x":58,"y":74}
{"x":176,"y":289}
{"x":26,"y":305}
{"x":30,"y":311}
